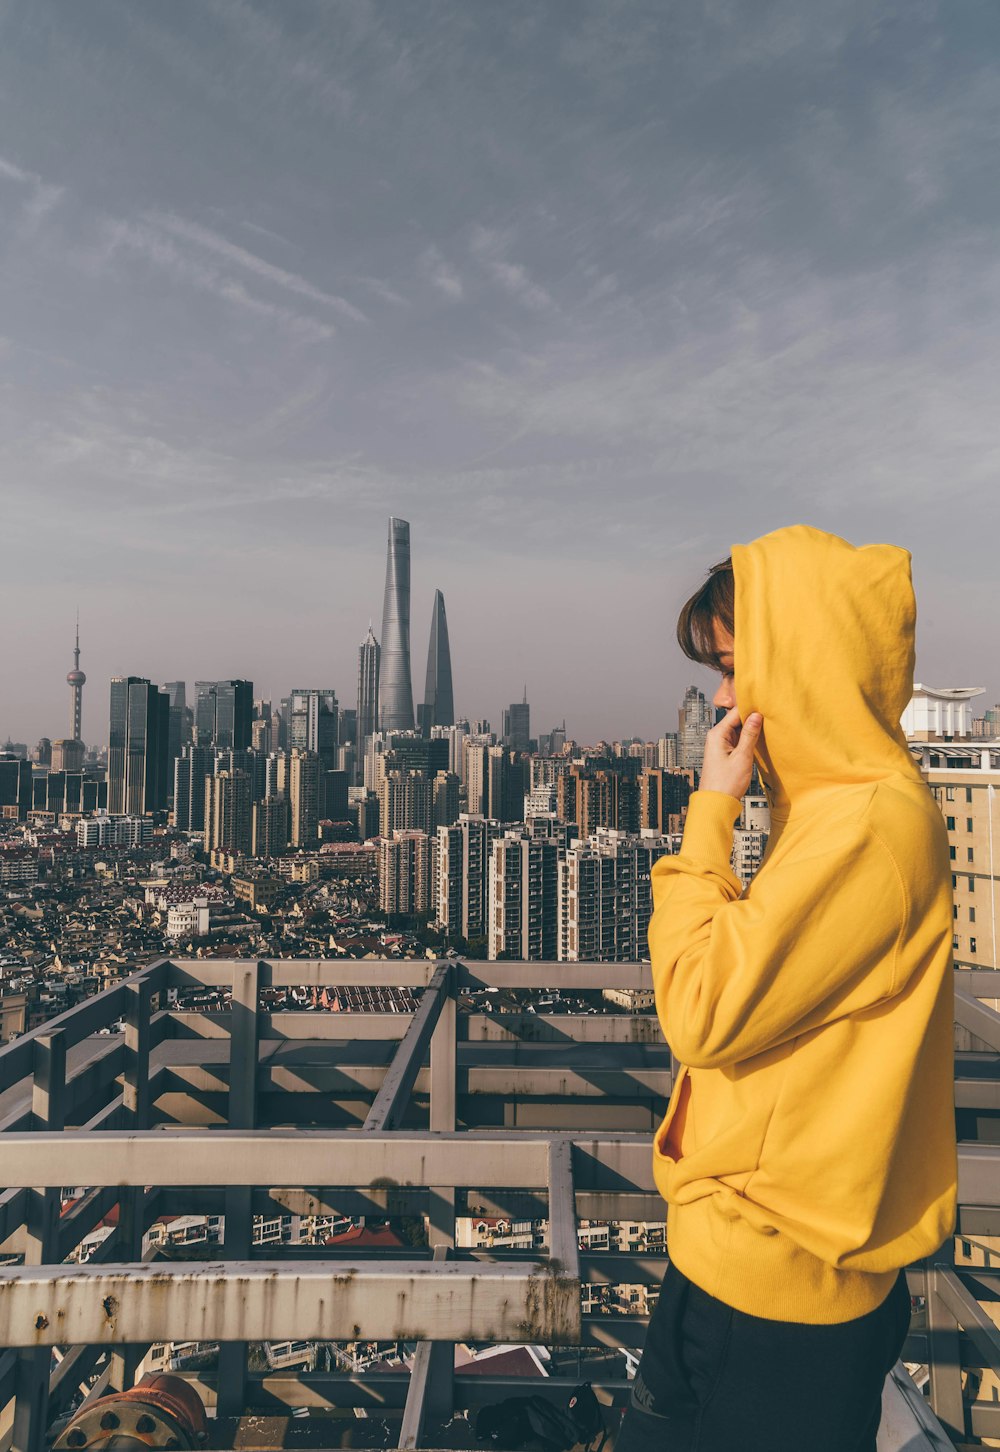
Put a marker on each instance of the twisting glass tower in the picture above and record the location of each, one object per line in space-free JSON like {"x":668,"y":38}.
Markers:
{"x":395,"y":688}
{"x":439,"y":704}
{"x":76,"y":681}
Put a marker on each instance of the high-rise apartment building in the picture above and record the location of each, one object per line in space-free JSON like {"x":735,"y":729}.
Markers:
{"x":137,"y":747}
{"x":445,"y":790}
{"x":523,"y":897}
{"x":228,"y":812}
{"x":438,"y":707}
{"x":406,"y":802}
{"x":605,"y":897}
{"x":395,"y":686}
{"x":269,"y":835}
{"x":663,"y":799}
{"x":224,"y":713}
{"x":666,"y":751}
{"x":406,"y":862}
{"x":605,"y":799}
{"x":462,"y":889}
{"x":190,"y":770}
{"x":964,"y":777}
{"x":303,"y":798}
{"x":540,"y":801}
{"x":475,"y":774}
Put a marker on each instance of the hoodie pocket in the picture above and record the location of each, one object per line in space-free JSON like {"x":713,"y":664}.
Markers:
{"x":667,"y":1141}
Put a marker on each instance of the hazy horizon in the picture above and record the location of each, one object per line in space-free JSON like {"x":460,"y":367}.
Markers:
{"x":587,"y":292}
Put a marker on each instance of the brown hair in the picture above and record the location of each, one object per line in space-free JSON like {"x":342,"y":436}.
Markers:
{"x":714,"y":600}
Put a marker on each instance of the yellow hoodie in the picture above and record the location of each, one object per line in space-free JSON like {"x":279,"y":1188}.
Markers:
{"x":808,"y":1150}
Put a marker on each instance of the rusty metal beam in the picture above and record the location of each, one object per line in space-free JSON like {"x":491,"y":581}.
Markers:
{"x":107,"y":1305}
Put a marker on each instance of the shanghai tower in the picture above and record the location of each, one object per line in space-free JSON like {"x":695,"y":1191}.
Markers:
{"x":438,"y":708}
{"x":395,"y":688}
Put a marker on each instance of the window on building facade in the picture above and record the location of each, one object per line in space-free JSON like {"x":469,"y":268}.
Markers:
{"x":949,"y":793}
{"x":968,"y":794}
{"x":972,"y":945}
{"x":972,"y":915}
{"x":951,"y":824}
{"x":954,"y":942}
{"x":968,"y":824}
{"x":972,"y":884}
{"x":971,"y":856}
{"x":951,"y":853}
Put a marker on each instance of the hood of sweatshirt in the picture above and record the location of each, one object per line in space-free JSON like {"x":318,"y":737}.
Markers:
{"x":824,"y":648}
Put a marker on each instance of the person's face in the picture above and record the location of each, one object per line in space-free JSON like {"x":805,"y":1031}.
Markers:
{"x":725,"y":696}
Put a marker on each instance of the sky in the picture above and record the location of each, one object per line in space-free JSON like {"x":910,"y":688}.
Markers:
{"x":587,"y":291}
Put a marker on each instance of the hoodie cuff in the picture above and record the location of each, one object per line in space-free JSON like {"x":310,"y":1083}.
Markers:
{"x":708,"y":829}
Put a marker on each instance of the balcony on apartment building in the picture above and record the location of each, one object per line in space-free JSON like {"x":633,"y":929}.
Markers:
{"x":255,"y":1113}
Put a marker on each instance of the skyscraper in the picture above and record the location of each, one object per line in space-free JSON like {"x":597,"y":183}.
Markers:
{"x":137,"y":747}
{"x":369,"y":653}
{"x":76,"y":680}
{"x":224,"y":713}
{"x":228,"y":812}
{"x":396,"y":690}
{"x":517,"y":724}
{"x":178,"y":713}
{"x":438,"y":708}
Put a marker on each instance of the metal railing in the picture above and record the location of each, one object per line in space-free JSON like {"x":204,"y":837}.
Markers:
{"x":259,"y":1110}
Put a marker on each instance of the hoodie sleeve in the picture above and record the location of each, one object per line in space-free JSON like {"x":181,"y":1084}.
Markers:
{"x":814,"y":940}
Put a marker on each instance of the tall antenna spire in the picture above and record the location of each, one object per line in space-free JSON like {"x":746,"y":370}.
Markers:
{"x":76,"y":680}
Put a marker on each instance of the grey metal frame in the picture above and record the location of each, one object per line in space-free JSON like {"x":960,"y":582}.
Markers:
{"x":85,"y":1110}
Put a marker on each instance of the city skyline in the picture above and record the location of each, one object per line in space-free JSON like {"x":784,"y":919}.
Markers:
{"x":690,"y":674}
{"x":676,"y":278}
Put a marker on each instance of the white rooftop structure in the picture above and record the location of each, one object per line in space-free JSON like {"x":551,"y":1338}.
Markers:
{"x":940,"y":712}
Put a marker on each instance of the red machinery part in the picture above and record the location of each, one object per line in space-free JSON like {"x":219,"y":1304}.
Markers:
{"x":162,"y":1411}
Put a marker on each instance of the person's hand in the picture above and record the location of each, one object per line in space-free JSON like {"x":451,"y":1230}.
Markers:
{"x":728,"y":764}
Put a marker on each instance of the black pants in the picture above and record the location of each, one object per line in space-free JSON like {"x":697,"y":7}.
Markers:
{"x":712,"y":1378}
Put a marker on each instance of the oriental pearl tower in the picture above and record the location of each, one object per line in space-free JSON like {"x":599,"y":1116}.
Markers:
{"x":76,"y":680}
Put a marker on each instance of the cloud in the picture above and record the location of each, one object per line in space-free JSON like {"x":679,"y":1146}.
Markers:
{"x":43,"y":196}
{"x":441,"y":274}
{"x":238,"y":256}
{"x":158,"y":248}
{"x":490,"y":248}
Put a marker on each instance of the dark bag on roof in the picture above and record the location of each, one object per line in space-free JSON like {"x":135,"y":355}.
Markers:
{"x":518,"y":1420}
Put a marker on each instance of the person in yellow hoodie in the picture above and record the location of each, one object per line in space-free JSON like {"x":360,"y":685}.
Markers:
{"x":808,"y":1150}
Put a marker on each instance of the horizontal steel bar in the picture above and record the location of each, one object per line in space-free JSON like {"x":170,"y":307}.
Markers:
{"x":111,"y":1305}
{"x":275,"y":1157}
{"x":978,"y":1173}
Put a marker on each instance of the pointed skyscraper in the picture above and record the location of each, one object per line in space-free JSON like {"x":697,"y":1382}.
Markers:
{"x":439,"y":704}
{"x":395,"y":687}
{"x":369,"y":652}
